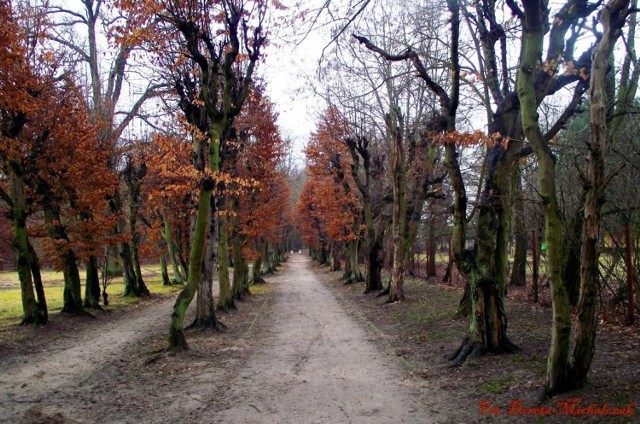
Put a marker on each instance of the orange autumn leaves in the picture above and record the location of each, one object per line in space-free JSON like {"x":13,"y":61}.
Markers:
{"x":328,"y":205}
{"x":252,"y":180}
{"x":51,"y":141}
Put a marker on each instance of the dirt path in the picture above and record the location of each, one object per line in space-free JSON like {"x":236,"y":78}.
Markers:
{"x":314,"y":364}
{"x":34,"y":378}
{"x":292,"y":355}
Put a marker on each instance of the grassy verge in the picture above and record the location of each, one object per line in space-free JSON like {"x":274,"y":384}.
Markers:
{"x":11,"y":301}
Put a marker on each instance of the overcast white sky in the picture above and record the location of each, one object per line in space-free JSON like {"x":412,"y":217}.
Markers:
{"x":289,"y":67}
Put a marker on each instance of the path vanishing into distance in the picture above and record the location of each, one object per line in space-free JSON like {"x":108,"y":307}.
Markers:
{"x":316,"y":365}
{"x":307,"y":361}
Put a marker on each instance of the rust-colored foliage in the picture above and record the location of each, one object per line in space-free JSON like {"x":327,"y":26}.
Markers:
{"x":329,"y":195}
{"x":49,"y":139}
{"x":265,"y":208}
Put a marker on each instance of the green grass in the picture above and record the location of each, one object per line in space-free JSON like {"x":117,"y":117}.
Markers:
{"x":11,"y":301}
{"x":498,"y":385}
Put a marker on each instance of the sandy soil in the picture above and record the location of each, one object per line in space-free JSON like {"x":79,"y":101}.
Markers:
{"x":291,"y":355}
{"x":314,"y":364}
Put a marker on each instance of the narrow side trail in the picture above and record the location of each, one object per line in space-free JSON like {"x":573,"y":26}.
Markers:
{"x":73,"y":360}
{"x":314,"y":364}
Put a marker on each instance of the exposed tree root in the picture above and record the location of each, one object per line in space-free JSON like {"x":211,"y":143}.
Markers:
{"x":384,"y":292}
{"x":467,"y":349}
{"x":352,"y":280}
{"x":259,"y":280}
{"x":475,"y":349}
{"x":208,"y":324}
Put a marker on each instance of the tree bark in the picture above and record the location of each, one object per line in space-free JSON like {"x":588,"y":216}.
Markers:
{"x":431,"y":248}
{"x":557,"y":379}
{"x":32,"y":311}
{"x":177,"y":341}
{"x":72,"y":292}
{"x":164,"y":270}
{"x":573,"y":243}
{"x":37,"y":282}
{"x":613,"y":18}
{"x":225,"y":297}
{"x":205,"y":304}
{"x":395,"y":130}
{"x":521,"y":235}
{"x":135,"y":179}
{"x":178,"y":278}
{"x":92,"y":284}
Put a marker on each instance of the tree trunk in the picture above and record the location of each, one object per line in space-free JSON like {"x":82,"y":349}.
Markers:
{"x":571,"y":273}
{"x":177,"y":341}
{"x":205,"y":303}
{"x":521,"y":235}
{"x":256,"y":277}
{"x":375,"y":260}
{"x":352,"y":272}
{"x":164,"y":270}
{"x":140,"y":288}
{"x":239,"y":265}
{"x":128,"y":273}
{"x":430,"y":251}
{"x":37,"y":282}
{"x":178,"y":278}
{"x":32,"y":312}
{"x":225,"y":298}
{"x":92,"y":284}
{"x":356,"y":274}
{"x":557,"y":379}
{"x":334,"y":258}
{"x":613,"y":18}
{"x":395,"y":129}
{"x":72,"y":292}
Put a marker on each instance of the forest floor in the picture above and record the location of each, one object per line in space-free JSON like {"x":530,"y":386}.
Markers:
{"x":303,"y":348}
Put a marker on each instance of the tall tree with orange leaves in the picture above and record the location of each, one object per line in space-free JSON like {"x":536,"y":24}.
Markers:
{"x":19,"y":99}
{"x":101,"y":40}
{"x":339,"y":206}
{"x":219,"y":44}
{"x":262,"y":213}
{"x":49,"y":154}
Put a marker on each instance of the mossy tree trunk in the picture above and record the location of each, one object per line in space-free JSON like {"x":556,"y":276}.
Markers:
{"x":72,"y":292}
{"x":37,"y":281}
{"x":573,"y":245}
{"x":613,"y":18}
{"x":256,"y":270}
{"x":211,"y":102}
{"x":431,"y":247}
{"x":164,"y":270}
{"x":34,"y":312}
{"x":205,"y":303}
{"x":133,"y":177}
{"x":178,"y":278}
{"x":520,"y":233}
{"x":177,"y":341}
{"x":535,"y":15}
{"x":240,"y":269}
{"x":375,"y":260}
{"x":334,"y":257}
{"x":225,"y":296}
{"x":240,"y":284}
